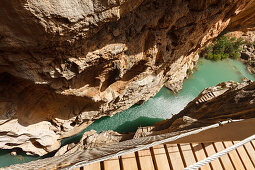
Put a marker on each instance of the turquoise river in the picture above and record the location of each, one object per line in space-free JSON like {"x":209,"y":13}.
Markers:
{"x":161,"y":106}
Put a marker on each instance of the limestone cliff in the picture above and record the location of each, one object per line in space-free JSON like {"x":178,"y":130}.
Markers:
{"x":226,"y":101}
{"x":213,"y":107}
{"x":65,"y":63}
{"x":244,"y":21}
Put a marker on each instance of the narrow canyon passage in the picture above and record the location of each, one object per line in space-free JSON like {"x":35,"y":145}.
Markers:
{"x":160,"y":107}
{"x":104,"y":69}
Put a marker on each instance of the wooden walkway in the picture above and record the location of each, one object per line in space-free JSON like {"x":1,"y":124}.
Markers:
{"x":177,"y":156}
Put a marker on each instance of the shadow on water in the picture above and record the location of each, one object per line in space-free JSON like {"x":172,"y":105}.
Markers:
{"x":131,"y":126}
{"x":21,"y":157}
{"x":128,"y":126}
{"x":76,"y":138}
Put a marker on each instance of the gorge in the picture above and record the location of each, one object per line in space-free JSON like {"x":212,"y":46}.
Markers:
{"x":160,"y":107}
{"x":66,"y":64}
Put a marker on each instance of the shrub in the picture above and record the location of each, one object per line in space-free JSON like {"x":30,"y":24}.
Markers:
{"x":224,"y":47}
{"x":217,"y":57}
{"x":189,"y":71}
{"x":210,"y":56}
{"x":235,"y":55}
{"x":224,"y":56}
{"x":200,"y":61}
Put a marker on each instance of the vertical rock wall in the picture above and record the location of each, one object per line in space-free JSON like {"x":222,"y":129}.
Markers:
{"x":65,"y":63}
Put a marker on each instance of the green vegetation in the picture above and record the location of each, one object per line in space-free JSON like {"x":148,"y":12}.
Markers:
{"x":200,"y":61}
{"x":219,"y":88}
{"x":224,"y":47}
{"x":189,"y":72}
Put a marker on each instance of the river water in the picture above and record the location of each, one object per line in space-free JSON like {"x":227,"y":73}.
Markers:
{"x":161,"y":106}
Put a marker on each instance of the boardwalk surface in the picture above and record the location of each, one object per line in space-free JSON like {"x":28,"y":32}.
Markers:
{"x":177,"y":156}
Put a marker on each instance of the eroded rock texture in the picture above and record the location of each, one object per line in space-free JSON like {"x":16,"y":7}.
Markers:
{"x":244,"y":21}
{"x":248,"y":49}
{"x":92,"y":139}
{"x":226,"y":101}
{"x":65,"y":63}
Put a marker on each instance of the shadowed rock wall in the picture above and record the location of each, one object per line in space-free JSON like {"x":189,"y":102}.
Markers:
{"x":64,"y":63}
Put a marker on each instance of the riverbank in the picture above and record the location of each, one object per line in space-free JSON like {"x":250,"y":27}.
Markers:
{"x":247,"y":55}
{"x":235,"y":45}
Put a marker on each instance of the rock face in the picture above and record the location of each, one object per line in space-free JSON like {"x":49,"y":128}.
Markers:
{"x":247,"y":55}
{"x":180,"y":70}
{"x":65,"y":63}
{"x":92,"y":139}
{"x":226,"y":101}
{"x":244,"y":21}
{"x":248,"y":52}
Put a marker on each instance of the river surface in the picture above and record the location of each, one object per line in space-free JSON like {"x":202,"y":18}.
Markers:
{"x":161,"y":106}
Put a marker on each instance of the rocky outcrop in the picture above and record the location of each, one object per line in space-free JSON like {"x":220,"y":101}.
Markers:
{"x":230,"y":100}
{"x":225,"y":102}
{"x":180,"y":70}
{"x":247,"y":54}
{"x":248,"y":57}
{"x":65,"y":63}
{"x":92,"y":139}
{"x":244,"y":21}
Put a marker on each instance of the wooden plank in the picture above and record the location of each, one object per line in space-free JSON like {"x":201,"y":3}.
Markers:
{"x":129,"y":162}
{"x":234,"y":156}
{"x":253,"y":144}
{"x":145,"y":159}
{"x":225,"y":158}
{"x":94,"y":166}
{"x":175,"y":156}
{"x":200,"y":154}
{"x":244,"y":156}
{"x":112,"y":163}
{"x":250,"y":151}
{"x":160,"y":157}
{"x":187,"y":154}
{"x":210,"y":151}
